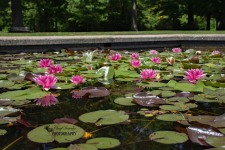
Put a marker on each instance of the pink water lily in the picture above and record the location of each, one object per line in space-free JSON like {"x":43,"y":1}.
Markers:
{"x":148,"y":74}
{"x":135,"y":55}
{"x":216,"y":52}
{"x":135,"y":63}
{"x":46,"y":81}
{"x":55,"y":69}
{"x":156,"y":60}
{"x":115,"y":57}
{"x":77,"y":79}
{"x":170,"y":60}
{"x":153,"y":52}
{"x":47,"y":100}
{"x":44,"y":63}
{"x":176,"y":50}
{"x":192,"y":75}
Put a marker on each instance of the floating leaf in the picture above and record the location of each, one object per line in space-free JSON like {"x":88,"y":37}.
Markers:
{"x":216,"y":141}
{"x":6,"y":83}
{"x":31,"y":93}
{"x":104,"y":117}
{"x":62,"y":133}
{"x":82,"y":147}
{"x":168,"y":137}
{"x":91,"y":92}
{"x":2,"y":132}
{"x":104,"y":142}
{"x":126,"y":101}
{"x":170,"y":107}
{"x":199,"y":132}
{"x":107,"y":71}
{"x":146,"y":99}
{"x":170,"y":117}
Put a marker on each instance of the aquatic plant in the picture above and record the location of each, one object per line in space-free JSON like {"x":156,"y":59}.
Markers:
{"x":177,"y":50}
{"x":216,"y":52}
{"x":148,"y":74}
{"x":170,"y":60}
{"x":115,"y":57}
{"x":46,"y":81}
{"x":77,"y":79}
{"x":156,"y":60}
{"x":134,"y":55}
{"x":135,"y":63}
{"x":192,"y":75}
{"x":153,"y":52}
{"x":55,"y":69}
{"x":44,"y":63}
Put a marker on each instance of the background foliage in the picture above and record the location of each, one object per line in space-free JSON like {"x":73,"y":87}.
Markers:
{"x":117,"y":15}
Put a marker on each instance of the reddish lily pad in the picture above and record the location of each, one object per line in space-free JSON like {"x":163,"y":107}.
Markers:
{"x":198,"y":133}
{"x":146,"y":99}
{"x":91,"y":92}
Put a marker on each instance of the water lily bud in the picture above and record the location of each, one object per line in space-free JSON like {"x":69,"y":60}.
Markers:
{"x":170,"y":60}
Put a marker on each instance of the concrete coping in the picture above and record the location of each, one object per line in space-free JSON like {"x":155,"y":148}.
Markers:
{"x":53,"y":40}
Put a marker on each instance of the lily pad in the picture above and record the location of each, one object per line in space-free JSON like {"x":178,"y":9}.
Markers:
{"x":126,"y":101}
{"x":31,"y":93}
{"x":2,"y":132}
{"x":91,"y":92}
{"x":104,"y":142}
{"x":168,"y":137}
{"x":62,"y":133}
{"x":104,"y":117}
{"x":82,"y":147}
{"x":171,"y":117}
{"x":216,"y":141}
{"x":147,"y":99}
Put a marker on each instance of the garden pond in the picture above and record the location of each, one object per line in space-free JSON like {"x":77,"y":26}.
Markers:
{"x":107,"y":99}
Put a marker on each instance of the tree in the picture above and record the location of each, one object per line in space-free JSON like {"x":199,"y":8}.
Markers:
{"x":222,"y":16}
{"x":134,"y":16}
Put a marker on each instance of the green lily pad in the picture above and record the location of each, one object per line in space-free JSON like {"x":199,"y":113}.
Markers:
{"x":6,"y":83}
{"x":31,"y":93}
{"x":178,"y":99}
{"x":170,"y":107}
{"x":4,"y":111}
{"x":64,"y":85}
{"x":82,"y":147}
{"x":216,"y":141}
{"x":62,"y":133}
{"x":168,"y":137}
{"x":170,"y":117}
{"x":167,"y":94}
{"x":104,"y":117}
{"x":126,"y":101}
{"x":152,"y":84}
{"x":2,"y":132}
{"x":104,"y":142}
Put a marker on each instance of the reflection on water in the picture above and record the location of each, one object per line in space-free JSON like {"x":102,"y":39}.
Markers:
{"x":132,"y":134}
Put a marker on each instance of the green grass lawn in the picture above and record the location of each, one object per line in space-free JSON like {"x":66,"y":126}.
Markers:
{"x":108,"y":33}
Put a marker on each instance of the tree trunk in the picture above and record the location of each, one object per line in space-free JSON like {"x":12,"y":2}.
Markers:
{"x":208,"y":18}
{"x":222,"y":17}
{"x":134,"y":16}
{"x":17,"y":17}
{"x":190,"y":16}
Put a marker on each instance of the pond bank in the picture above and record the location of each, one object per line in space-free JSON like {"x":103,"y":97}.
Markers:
{"x":124,"y":42}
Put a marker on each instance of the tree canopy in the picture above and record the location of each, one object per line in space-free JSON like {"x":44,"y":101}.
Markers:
{"x":116,"y":15}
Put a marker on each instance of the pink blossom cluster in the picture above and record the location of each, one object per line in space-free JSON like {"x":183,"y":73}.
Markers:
{"x":156,"y":60}
{"x":47,"y":100}
{"x":115,"y":57}
{"x":177,"y":50}
{"x":192,"y":75}
{"x":148,"y":74}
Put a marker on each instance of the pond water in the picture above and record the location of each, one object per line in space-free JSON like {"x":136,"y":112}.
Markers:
{"x":179,"y":97}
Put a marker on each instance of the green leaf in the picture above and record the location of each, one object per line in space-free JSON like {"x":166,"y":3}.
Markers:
{"x":6,"y":83}
{"x":82,"y":147}
{"x":168,"y":137}
{"x":2,"y":132}
{"x":104,"y":117}
{"x":170,"y":117}
{"x":28,"y":94}
{"x":62,"y":133}
{"x":126,"y":101}
{"x":216,"y":141}
{"x":104,"y":142}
